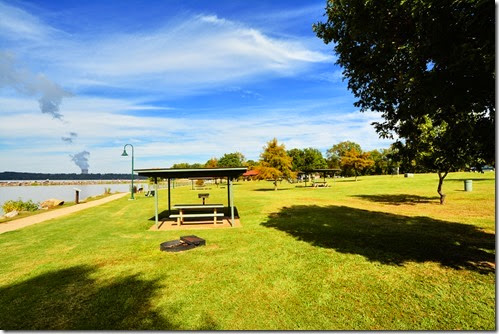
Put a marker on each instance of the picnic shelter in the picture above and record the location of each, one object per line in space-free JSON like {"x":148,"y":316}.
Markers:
{"x":177,"y":173}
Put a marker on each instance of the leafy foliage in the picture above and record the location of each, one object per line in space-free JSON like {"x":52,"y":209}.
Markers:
{"x":335,"y":153}
{"x":275,"y":163}
{"x":231,"y":160}
{"x":308,"y":158}
{"x":356,"y":160}
{"x":425,"y":66}
{"x":212,"y":163}
{"x":19,"y":205}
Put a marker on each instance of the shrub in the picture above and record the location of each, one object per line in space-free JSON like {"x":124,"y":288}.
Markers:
{"x":199,"y":183}
{"x":19,"y":205}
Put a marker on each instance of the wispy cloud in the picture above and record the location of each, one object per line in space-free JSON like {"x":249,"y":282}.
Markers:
{"x":17,"y":24}
{"x":142,"y":87}
{"x":186,"y":54}
{"x":162,"y":141}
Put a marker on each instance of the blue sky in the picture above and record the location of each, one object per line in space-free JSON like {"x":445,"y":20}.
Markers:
{"x":183,"y":81}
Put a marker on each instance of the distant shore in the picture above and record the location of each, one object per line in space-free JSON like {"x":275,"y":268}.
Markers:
{"x":17,"y":183}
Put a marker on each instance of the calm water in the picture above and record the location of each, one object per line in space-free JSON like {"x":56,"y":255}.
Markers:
{"x":63,"y":192}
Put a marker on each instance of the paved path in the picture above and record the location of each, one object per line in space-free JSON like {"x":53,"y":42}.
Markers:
{"x":22,"y":222}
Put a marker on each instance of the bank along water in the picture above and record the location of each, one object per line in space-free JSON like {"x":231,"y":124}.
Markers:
{"x":62,"y":192}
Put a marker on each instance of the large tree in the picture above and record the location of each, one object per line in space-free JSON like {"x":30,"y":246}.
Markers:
{"x":235,"y":159}
{"x":306,"y":159}
{"x":428,"y":67}
{"x":356,"y":161}
{"x":335,"y":153}
{"x":275,"y":163}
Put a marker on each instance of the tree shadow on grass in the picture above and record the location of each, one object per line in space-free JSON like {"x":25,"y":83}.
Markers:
{"x":471,"y":178}
{"x":71,"y":299}
{"x":388,"y":238}
{"x":398,"y":199}
{"x":271,"y":189}
{"x":164,"y":215}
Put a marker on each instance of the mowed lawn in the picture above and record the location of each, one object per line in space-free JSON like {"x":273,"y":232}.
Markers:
{"x":379,"y":253}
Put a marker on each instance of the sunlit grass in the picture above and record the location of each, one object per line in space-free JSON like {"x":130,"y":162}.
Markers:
{"x":379,"y":253}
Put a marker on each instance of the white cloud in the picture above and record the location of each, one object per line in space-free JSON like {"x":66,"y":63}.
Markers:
{"x":17,"y":24}
{"x":184,"y":55}
{"x":162,"y":141}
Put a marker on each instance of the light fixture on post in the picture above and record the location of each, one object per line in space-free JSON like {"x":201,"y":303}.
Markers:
{"x":124,"y":154}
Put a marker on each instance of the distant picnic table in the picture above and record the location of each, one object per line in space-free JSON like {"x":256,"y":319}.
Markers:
{"x":320,"y":184}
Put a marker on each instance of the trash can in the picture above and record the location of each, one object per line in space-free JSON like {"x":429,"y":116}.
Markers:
{"x":468,"y":185}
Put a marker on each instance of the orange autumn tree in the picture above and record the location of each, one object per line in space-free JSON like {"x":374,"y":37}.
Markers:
{"x":358,"y":161}
{"x":275,"y":163}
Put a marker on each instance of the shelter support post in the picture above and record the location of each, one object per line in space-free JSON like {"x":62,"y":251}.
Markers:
{"x":156,"y":201}
{"x":231,"y":201}
{"x":228,"y":191}
{"x":169,"y":198}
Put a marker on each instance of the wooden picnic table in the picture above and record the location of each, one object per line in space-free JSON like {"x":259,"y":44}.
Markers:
{"x":198,"y":211}
{"x":317,"y":184}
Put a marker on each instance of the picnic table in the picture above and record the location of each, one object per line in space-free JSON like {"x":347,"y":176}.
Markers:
{"x":322,"y":184}
{"x":197,"y":211}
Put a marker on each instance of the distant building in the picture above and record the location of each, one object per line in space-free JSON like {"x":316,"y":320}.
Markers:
{"x":250,"y":175}
{"x":84,"y":170}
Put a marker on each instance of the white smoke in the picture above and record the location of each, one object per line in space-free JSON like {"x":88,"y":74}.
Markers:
{"x":22,"y":80}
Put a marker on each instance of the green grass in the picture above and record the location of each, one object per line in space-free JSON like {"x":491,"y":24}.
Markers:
{"x":379,"y":253}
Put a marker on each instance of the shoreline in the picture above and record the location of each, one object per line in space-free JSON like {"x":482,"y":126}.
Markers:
{"x":35,"y":183}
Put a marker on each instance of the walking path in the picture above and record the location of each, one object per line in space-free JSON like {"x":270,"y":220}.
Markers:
{"x":35,"y":219}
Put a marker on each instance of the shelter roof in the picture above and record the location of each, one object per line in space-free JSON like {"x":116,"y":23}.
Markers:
{"x":321,"y":170}
{"x":175,"y":173}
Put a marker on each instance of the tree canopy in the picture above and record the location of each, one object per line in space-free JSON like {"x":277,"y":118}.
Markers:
{"x":357,"y":161}
{"x":275,"y":163}
{"x":235,"y":159}
{"x":428,"y":67}
{"x":335,"y":153}
{"x":306,"y":159}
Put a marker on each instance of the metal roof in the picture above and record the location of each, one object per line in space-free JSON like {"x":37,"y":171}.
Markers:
{"x":175,"y":173}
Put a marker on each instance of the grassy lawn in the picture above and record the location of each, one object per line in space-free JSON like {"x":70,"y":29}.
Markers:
{"x":379,"y":253}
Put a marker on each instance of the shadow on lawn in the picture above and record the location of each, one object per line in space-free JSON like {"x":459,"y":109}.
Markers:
{"x":271,"y":189}
{"x":399,"y":199}
{"x":471,"y":178}
{"x":72,"y":299}
{"x":163,"y":215}
{"x":388,"y":238}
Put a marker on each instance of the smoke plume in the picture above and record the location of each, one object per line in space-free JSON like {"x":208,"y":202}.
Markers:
{"x":70,"y":138}
{"x":50,"y":94}
{"x":81,"y":160}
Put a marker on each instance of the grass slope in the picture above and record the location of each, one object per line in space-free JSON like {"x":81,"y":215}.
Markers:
{"x":379,"y":253}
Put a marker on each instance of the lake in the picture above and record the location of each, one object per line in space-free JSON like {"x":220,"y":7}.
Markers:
{"x":63,"y":192}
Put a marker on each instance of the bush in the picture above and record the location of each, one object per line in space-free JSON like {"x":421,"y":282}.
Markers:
{"x":19,"y":205}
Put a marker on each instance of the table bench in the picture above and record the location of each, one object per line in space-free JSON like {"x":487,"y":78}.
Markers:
{"x":199,"y":211}
{"x":322,"y":184}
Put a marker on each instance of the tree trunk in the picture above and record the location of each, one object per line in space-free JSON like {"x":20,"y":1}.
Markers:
{"x":441,"y":178}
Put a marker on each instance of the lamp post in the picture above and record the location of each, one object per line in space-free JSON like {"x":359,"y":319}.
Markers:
{"x":124,"y":154}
